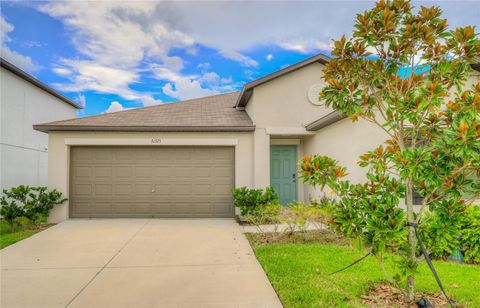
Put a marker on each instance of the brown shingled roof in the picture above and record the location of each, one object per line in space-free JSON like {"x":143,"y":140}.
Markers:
{"x":212,"y":113}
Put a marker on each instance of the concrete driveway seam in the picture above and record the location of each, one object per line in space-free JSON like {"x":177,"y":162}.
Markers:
{"x":108,"y":262}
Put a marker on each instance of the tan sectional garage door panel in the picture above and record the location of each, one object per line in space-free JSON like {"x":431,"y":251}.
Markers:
{"x":151,"y":181}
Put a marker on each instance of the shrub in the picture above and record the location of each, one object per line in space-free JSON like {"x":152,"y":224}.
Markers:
{"x":324,"y":209}
{"x":443,"y":239}
{"x":470,"y":237}
{"x":251,"y":201}
{"x":298,"y":215}
{"x":10,"y":211}
{"x":22,"y":222}
{"x":270,"y":196}
{"x":42,"y":201}
{"x":33,"y":203}
{"x":267,"y":214}
{"x":40,"y":219}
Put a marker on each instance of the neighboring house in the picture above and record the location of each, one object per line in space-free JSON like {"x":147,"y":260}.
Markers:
{"x":25,"y":101}
{"x":182,"y":159}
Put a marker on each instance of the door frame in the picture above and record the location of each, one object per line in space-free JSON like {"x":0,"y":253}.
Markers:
{"x":295,"y":151}
{"x":300,"y":153}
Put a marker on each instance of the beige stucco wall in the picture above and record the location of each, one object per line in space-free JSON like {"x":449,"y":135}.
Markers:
{"x":283,"y":102}
{"x":472,"y":80}
{"x":344,"y":141}
{"x":59,"y":153}
{"x":280,"y":109}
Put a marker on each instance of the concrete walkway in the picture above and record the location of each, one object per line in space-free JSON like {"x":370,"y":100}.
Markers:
{"x":135,"y":263}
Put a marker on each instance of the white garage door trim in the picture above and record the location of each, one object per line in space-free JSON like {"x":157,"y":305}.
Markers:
{"x":153,"y":141}
{"x":86,"y":200}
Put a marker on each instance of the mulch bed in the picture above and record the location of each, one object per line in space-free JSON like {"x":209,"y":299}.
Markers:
{"x":41,"y":227}
{"x":37,"y":228}
{"x":308,"y":237}
{"x":386,"y":296}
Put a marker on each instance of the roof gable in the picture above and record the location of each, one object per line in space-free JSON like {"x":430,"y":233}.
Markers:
{"x":248,"y":88}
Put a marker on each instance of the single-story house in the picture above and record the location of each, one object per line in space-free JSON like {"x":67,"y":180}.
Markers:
{"x":182,"y":159}
{"x":24,"y":101}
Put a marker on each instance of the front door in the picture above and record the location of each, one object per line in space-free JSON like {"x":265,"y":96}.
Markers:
{"x":283,"y":172}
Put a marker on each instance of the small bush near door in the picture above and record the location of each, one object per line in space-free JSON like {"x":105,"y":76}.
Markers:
{"x":251,"y":201}
{"x":466,"y":239}
{"x":24,"y":206}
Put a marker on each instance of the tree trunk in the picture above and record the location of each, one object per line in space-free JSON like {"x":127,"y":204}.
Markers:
{"x":412,"y":240}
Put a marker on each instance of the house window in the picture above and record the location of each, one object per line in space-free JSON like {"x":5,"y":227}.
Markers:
{"x":417,"y":198}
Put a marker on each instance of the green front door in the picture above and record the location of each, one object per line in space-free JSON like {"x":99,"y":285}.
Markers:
{"x":283,"y":172}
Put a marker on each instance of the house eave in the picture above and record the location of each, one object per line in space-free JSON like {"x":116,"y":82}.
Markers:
{"x":324,"y":121}
{"x":27,"y":77}
{"x":50,"y":128}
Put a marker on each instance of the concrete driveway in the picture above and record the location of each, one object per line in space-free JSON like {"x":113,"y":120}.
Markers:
{"x":135,"y":263}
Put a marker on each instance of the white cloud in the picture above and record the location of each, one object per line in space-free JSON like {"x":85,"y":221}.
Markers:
{"x":81,"y":100}
{"x":204,"y":66}
{"x":150,"y":101}
{"x":186,"y":88}
{"x":244,"y":25}
{"x":5,"y":27}
{"x":238,"y":57}
{"x":114,"y":42}
{"x":170,"y":70}
{"x":62,"y":71}
{"x":126,"y":31}
{"x":32,"y":44}
{"x":114,"y":33}
{"x":215,"y":82}
{"x":183,"y":87}
{"x":269,"y":57}
{"x":115,"y":107}
{"x":121,"y":41}
{"x":307,"y":46}
{"x":164,"y":73}
{"x":24,"y":62}
{"x":210,"y":77}
{"x":90,"y":76}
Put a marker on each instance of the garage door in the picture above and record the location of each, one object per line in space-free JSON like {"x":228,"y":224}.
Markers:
{"x":155,"y":181}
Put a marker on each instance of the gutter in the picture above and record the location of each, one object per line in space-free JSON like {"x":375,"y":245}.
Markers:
{"x":324,"y":121}
{"x":49,"y":128}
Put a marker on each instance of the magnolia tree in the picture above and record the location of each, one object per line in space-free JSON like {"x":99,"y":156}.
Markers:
{"x":405,"y":72}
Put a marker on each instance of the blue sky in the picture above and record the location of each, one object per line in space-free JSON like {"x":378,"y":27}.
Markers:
{"x":109,"y":56}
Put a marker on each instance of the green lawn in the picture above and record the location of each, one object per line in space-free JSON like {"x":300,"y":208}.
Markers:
{"x":11,"y":238}
{"x":7,"y":237}
{"x":298,"y":272}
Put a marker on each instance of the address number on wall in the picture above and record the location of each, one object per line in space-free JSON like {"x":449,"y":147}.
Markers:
{"x":156,"y":140}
